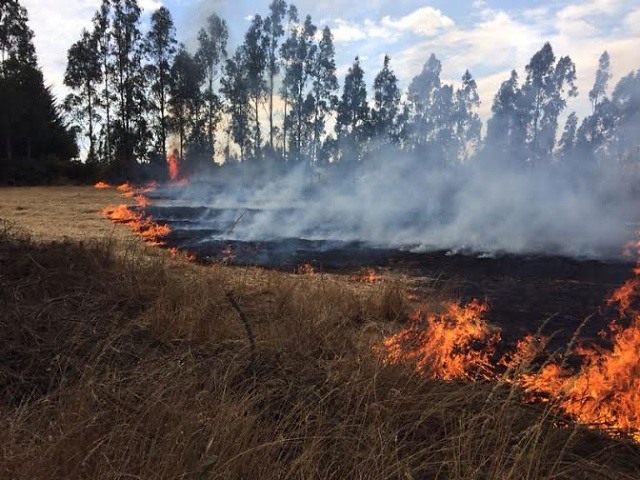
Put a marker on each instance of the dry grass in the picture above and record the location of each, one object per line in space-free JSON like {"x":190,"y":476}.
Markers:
{"x":118,"y":363}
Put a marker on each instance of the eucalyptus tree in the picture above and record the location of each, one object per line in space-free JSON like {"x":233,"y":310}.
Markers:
{"x":129,"y":85}
{"x":212,"y":52}
{"x":603,"y":75}
{"x":83,"y":76}
{"x":353,"y":119}
{"x":235,"y":88}
{"x":386,"y":106}
{"x":254,"y":60}
{"x":468,"y":125}
{"x":160,"y":48}
{"x":273,"y":32}
{"x":299,"y":52}
{"x":544,"y":94}
{"x":324,"y":88}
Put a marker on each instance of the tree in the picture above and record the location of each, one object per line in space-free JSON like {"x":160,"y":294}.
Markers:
{"x":386,"y":96}
{"x":273,"y":32}
{"x":567,"y":143}
{"x":299,"y":52}
{"x":104,"y":49}
{"x":235,"y":87}
{"x":506,"y":128}
{"x":603,"y":76}
{"x":184,"y":103}
{"x":352,"y":123}
{"x":325,"y":84}
{"x":212,"y":51}
{"x":130,"y":128}
{"x":421,"y":97}
{"x":35,"y":143}
{"x":255,"y":62}
{"x":468,"y":125}
{"x":160,"y":47}
{"x":83,"y":76}
{"x":544,"y":98}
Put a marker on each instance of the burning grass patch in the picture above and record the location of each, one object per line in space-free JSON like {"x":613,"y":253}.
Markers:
{"x":118,"y":364}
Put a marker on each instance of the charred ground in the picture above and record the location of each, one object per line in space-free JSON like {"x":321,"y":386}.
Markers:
{"x":120,"y":361}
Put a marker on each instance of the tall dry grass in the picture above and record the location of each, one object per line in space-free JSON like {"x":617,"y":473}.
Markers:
{"x":117,"y":364}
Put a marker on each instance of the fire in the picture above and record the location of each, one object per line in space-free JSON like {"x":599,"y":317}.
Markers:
{"x":457,"y":343}
{"x":174,"y":165}
{"x":101,"y":185}
{"x":305,"y":269}
{"x":125,"y":188}
{"x":145,"y":227}
{"x":604,"y":392}
{"x":370,"y":276}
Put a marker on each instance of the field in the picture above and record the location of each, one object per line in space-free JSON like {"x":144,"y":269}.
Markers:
{"x":118,"y":360}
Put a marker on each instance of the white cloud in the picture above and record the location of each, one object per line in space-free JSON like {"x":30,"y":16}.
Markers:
{"x":425,"y":21}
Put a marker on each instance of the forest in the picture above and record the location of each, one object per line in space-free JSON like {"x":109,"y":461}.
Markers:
{"x":138,"y":96}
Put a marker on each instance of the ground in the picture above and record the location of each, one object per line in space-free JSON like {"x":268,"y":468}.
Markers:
{"x":119,"y":361}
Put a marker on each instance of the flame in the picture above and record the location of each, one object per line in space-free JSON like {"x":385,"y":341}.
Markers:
{"x":304,"y":269}
{"x":457,"y":343}
{"x":174,"y":165}
{"x":370,"y":276}
{"x":139,"y":224}
{"x":124,"y":188}
{"x":101,"y":185}
{"x":603,"y":393}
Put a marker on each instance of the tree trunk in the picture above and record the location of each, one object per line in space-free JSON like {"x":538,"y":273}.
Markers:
{"x":271,"y":110}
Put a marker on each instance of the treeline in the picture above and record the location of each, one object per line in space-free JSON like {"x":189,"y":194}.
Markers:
{"x":35,"y":144}
{"x":276,"y":99}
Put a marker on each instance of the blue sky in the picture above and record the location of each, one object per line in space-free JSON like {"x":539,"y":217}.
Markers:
{"x":489,"y":37}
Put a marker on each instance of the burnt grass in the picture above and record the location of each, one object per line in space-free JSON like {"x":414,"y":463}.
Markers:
{"x":119,"y":362}
{"x":548,"y":294}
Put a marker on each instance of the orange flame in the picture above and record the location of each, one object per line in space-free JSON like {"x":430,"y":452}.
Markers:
{"x":101,"y":185}
{"x":370,"y":276}
{"x":174,"y":165}
{"x":603,"y":393}
{"x":145,"y":227}
{"x":457,"y":343}
{"x":305,"y":269}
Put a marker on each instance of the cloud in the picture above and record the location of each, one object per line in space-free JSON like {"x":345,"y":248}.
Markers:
{"x":423,"y":22}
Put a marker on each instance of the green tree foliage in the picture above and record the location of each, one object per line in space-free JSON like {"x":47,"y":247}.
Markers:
{"x":255,"y":62}
{"x":212,"y":51}
{"x":273,"y":32}
{"x":35,"y":144}
{"x":421,"y":99}
{"x":505,"y":129}
{"x":544,"y":98}
{"x":353,"y":120}
{"x":603,"y":76}
{"x":235,"y":87}
{"x":299,"y":54}
{"x":130,"y":130}
{"x":185,"y":103}
{"x":160,"y":45}
{"x":83,"y":76}
{"x":386,"y":96}
{"x":468,"y":126}
{"x":325,"y":86}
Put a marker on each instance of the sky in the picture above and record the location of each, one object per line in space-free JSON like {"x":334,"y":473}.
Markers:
{"x":488,"y":37}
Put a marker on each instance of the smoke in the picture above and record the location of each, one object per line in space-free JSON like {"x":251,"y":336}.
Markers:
{"x":405,"y":202}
